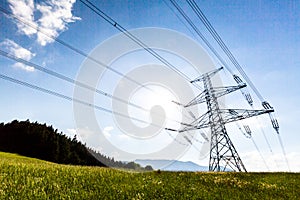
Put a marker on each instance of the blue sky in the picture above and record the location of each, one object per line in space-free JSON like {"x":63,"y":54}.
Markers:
{"x":263,"y":36}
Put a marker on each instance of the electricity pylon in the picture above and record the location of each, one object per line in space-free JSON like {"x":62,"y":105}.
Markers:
{"x":223,"y":154}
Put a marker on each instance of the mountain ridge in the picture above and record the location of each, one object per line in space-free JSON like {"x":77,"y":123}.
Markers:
{"x":171,"y":165}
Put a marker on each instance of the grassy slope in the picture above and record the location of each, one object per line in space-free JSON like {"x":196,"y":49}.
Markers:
{"x":27,"y":178}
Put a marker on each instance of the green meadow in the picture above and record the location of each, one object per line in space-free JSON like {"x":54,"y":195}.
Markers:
{"x":28,"y":178}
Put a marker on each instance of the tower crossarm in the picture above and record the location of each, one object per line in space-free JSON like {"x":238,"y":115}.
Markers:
{"x":203,"y":119}
{"x":218,"y":92}
{"x":197,"y":100}
{"x":228,"y":115}
{"x":231,"y":115}
{"x":208,"y":74}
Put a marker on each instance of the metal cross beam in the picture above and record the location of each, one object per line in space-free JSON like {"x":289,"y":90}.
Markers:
{"x":218,"y":91}
{"x":228,"y":115}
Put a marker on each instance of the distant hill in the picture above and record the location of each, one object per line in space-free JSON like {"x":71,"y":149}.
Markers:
{"x":172,"y":165}
{"x":43,"y":142}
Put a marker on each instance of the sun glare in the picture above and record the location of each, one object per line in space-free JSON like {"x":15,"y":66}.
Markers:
{"x":155,"y":96}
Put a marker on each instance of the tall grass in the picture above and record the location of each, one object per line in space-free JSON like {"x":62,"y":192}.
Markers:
{"x":27,"y":178}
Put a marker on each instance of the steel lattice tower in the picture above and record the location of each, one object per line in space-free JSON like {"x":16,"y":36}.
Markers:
{"x":223,"y":155}
{"x":222,"y":151}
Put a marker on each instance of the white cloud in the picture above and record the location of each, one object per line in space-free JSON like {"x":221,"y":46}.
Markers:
{"x":71,"y":132}
{"x":275,"y":161}
{"x":54,"y":17}
{"x":106,"y":131}
{"x":20,"y":52}
{"x":23,"y":9}
{"x":123,"y":136}
{"x":24,"y":67}
{"x":17,"y":50}
{"x":81,"y":134}
{"x":114,"y":137}
{"x":84,"y":133}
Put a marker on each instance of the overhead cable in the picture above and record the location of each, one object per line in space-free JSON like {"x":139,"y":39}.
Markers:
{"x":123,"y":30}
{"x":219,"y":40}
{"x":190,"y":22}
{"x":78,"y":51}
{"x":53,"y":93}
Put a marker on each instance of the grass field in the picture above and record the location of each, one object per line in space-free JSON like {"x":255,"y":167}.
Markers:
{"x":27,"y":178}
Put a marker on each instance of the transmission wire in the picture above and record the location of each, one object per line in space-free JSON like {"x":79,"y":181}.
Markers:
{"x":65,"y":78}
{"x":190,"y":22}
{"x":53,"y":93}
{"x":50,"y":92}
{"x":219,"y":40}
{"x":78,"y":51}
{"x":254,"y":143}
{"x":186,"y":26}
{"x":283,"y":151}
{"x":75,"y":82}
{"x":73,"y":49}
{"x":215,"y":52}
{"x":123,"y":30}
{"x":6,"y":12}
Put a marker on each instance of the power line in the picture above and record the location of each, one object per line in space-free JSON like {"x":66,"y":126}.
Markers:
{"x":207,"y":43}
{"x":198,"y":32}
{"x":53,"y":93}
{"x":247,"y":96}
{"x":6,"y":12}
{"x":283,"y":151}
{"x":189,"y":140}
{"x":254,"y":143}
{"x":190,"y":22}
{"x":211,"y":48}
{"x":123,"y":30}
{"x":72,"y":81}
{"x":229,"y":54}
{"x":224,"y":48}
{"x":219,"y":40}
{"x":248,"y":134}
{"x":195,"y":139}
{"x":176,"y":140}
{"x":181,"y":20}
{"x":50,"y":92}
{"x":78,"y":51}
{"x":65,"y":78}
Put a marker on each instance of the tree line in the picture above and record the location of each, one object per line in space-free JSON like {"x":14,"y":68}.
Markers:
{"x":43,"y":142}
